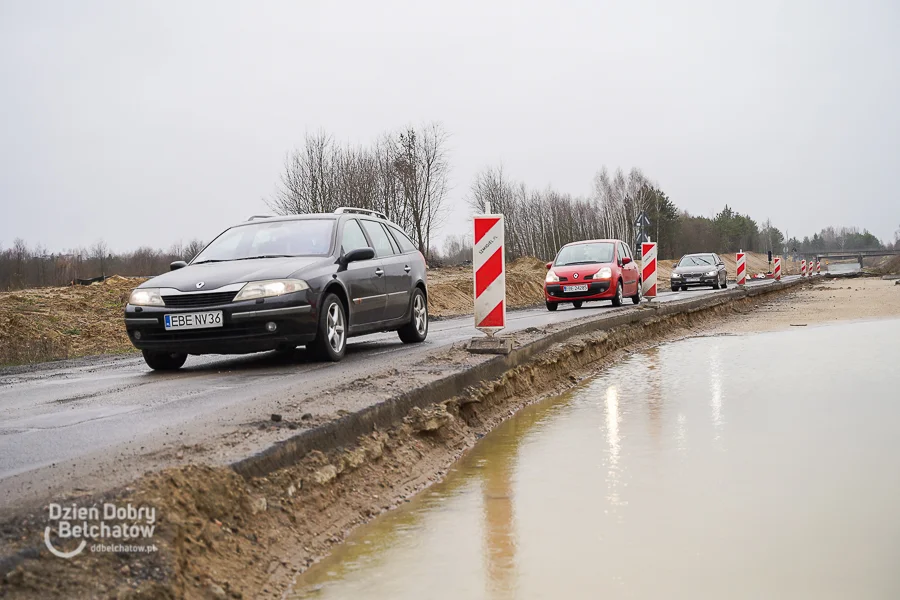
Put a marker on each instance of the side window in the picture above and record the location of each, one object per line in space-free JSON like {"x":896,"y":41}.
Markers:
{"x":628,"y":251}
{"x":353,"y":237}
{"x":622,"y":253}
{"x":393,"y":242}
{"x":405,"y":244}
{"x":379,"y":238}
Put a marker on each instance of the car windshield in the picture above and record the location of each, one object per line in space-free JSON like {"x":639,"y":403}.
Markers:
{"x":697,"y":260}
{"x":585,"y":254}
{"x":267,"y":239}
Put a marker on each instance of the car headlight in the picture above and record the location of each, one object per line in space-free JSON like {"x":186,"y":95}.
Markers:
{"x":146,"y":297}
{"x":676,"y":275}
{"x":551,"y":277}
{"x":604,"y":273}
{"x":711,"y":274}
{"x":272,"y":287}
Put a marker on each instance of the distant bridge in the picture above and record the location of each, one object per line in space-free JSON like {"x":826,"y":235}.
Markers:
{"x":859,"y":255}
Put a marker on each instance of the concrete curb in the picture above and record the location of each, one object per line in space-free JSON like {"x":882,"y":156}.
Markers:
{"x":346,"y":430}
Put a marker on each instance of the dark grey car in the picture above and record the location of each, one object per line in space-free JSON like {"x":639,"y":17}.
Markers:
{"x":699,"y":270}
{"x":274,"y":283}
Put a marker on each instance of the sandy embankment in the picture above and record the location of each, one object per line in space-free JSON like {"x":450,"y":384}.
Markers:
{"x":822,"y":302}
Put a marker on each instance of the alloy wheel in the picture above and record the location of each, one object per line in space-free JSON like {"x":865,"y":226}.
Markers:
{"x":335,"y":327}
{"x":420,"y":314}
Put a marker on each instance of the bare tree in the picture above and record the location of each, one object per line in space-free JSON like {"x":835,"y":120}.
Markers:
{"x":423,"y":168}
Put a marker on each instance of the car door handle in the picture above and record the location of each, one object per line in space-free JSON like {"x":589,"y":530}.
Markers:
{"x":379,"y":271}
{"x":407,"y":269}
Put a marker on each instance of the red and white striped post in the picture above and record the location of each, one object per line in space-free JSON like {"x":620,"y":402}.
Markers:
{"x":489,"y":266}
{"x":818,"y":267}
{"x":648,"y":269}
{"x":803,"y":268}
{"x":741,"y":268}
{"x":777,"y":273}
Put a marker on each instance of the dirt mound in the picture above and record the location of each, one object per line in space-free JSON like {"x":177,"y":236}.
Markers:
{"x":64,"y":322}
{"x":450,"y":290}
{"x":889,"y":267}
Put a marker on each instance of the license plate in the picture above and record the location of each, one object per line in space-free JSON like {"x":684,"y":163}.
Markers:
{"x":692,"y":279}
{"x":199,"y":320}
{"x":575,"y":288}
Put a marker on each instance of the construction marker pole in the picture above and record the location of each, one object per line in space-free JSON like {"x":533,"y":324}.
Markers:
{"x":818,"y":267}
{"x":803,"y":268}
{"x":648,"y":269}
{"x":741,"y":268}
{"x":777,"y":274}
{"x":489,"y":266}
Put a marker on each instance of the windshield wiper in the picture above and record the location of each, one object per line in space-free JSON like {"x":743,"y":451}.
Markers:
{"x":581,"y":262}
{"x":266,"y":256}
{"x":211,"y":260}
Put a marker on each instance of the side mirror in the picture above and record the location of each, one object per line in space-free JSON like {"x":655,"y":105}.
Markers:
{"x":358,"y":255}
{"x":549,"y":264}
{"x":178,"y":264}
{"x":626,"y":260}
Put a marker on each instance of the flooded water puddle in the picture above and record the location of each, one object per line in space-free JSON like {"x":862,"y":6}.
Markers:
{"x":762,"y":466}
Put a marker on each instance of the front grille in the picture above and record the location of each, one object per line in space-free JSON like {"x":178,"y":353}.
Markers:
{"x":199,"y":300}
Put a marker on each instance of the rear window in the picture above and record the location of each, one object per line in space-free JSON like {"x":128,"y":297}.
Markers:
{"x":306,"y":237}
{"x":379,"y":238}
{"x":406,"y":244}
{"x":585,"y":254}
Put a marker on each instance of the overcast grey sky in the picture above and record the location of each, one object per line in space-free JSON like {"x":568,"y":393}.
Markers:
{"x":149,"y":122}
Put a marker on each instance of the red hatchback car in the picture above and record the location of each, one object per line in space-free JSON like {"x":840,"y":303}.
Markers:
{"x":592,"y":270}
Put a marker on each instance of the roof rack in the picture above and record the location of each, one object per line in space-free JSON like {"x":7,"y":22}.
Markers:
{"x":361,"y":211}
{"x":255,"y":217}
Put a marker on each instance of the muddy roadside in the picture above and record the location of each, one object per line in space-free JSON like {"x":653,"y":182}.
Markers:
{"x":824,"y":301}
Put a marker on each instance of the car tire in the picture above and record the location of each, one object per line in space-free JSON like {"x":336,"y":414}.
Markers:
{"x":725,"y":283}
{"x":716,"y":284}
{"x":617,"y":299}
{"x":331,"y":331}
{"x":164,"y":361}
{"x":636,"y":299}
{"x":578,"y":303}
{"x":416,"y":330}
{"x":551,"y":306}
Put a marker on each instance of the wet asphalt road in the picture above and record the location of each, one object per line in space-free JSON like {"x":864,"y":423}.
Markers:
{"x":52,"y":416}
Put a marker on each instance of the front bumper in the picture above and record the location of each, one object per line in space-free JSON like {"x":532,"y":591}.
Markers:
{"x":597,"y":290}
{"x":243,"y":329}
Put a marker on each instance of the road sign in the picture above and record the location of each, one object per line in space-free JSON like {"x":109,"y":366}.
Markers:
{"x":741,"y":260}
{"x":648,"y":269}
{"x":489,"y":266}
{"x":642,"y":220}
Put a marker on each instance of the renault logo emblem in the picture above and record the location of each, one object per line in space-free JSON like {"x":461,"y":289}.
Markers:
{"x":200,"y":284}
{"x":575,"y":276}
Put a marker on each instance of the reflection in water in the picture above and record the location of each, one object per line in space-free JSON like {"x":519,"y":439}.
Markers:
{"x":801,"y":505}
{"x":499,"y":524}
{"x":715,"y":385}
{"x":612,"y":439}
{"x":654,"y":396}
